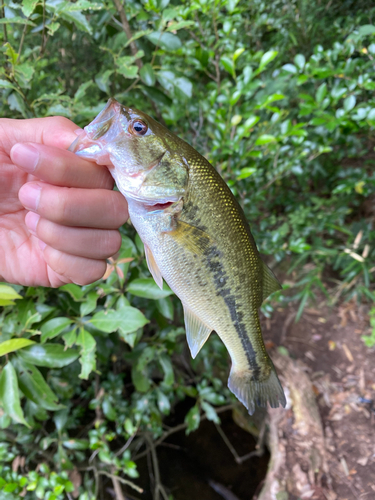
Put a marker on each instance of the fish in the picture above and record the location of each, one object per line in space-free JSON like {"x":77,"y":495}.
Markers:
{"x":196,"y":238}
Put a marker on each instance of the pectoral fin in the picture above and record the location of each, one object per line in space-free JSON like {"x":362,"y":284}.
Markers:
{"x":153,"y":267}
{"x":196,"y":332}
{"x":190,"y":237}
{"x":270,"y":283}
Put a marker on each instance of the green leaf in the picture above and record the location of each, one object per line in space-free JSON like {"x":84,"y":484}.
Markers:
{"x":147,"y":74}
{"x":11,"y":53}
{"x":53,"y":327}
{"x":246,"y":172}
{"x":236,"y":120}
{"x":228,"y":65}
{"x":349,"y":103}
{"x":81,"y":91}
{"x":82,"y":5}
{"x":210,"y":412}
{"x":70,"y":338}
{"x":88,"y":353}
{"x":321,"y":93}
{"x":90,"y":303}
{"x":103,"y":80}
{"x":4,"y":84}
{"x":34,"y":387}
{"x":9,"y":394}
{"x":78,"y":19}
{"x":28,"y":6}
{"x":165,"y":307}
{"x":157,"y":95}
{"x":128,"y":71}
{"x":163,"y":403}
{"x":167,"y":367}
{"x":237,"y":53}
{"x":184,"y":85}
{"x":128,"y":319}
{"x":366,"y":29}
{"x":74,"y":291}
{"x":147,"y":288}
{"x":266,"y":59}
{"x":76,"y":444}
{"x":49,"y":355}
{"x":265,"y":139}
{"x":138,"y":35}
{"x":300,"y":61}
{"x":13,"y":345}
{"x":140,"y":379}
{"x":166,"y":41}
{"x":251,"y":122}
{"x":179,"y":25}
{"x":290,"y":68}
{"x":16,"y":20}
{"x":52,"y":28}
{"x":7,"y":292}
{"x":192,"y":419}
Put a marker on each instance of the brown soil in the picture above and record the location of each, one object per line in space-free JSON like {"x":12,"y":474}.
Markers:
{"x":342,"y":369}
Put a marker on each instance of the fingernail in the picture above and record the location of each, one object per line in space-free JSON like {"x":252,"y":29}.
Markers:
{"x":31,"y":221}
{"x":42,"y":245}
{"x":29,"y":196}
{"x":25,"y":156}
{"x":78,"y":131}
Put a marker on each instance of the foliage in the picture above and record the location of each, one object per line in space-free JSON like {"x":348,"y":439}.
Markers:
{"x":279,"y":96}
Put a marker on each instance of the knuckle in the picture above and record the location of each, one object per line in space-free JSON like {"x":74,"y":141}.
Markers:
{"x":60,"y":121}
{"x":119,"y":208}
{"x":63,"y":205}
{"x":111,"y":242}
{"x":96,"y":271}
{"x":56,"y":260}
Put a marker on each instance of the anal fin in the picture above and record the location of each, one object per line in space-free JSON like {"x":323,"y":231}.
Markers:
{"x":153,"y":267}
{"x":196,"y":332}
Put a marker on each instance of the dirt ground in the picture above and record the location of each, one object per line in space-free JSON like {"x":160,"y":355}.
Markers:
{"x":342,"y":369}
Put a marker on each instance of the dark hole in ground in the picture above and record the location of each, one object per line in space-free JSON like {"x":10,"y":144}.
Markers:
{"x":188,"y":464}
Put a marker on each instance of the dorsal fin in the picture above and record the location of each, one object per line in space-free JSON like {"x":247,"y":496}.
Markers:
{"x":153,"y":267}
{"x":270,"y":282}
{"x":196,"y":332}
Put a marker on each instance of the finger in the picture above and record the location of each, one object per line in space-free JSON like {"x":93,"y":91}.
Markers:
{"x":98,"y":208}
{"x":54,"y":131}
{"x":71,"y":268}
{"x":60,"y":167}
{"x":89,"y":243}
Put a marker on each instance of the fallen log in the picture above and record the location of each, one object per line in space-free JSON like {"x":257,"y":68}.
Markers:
{"x":298,"y":464}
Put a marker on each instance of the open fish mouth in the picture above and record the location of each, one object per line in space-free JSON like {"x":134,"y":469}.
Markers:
{"x":160,"y":206}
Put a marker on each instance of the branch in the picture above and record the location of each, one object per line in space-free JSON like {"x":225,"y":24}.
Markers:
{"x":178,"y":428}
{"x":4,"y":25}
{"x":159,"y":488}
{"x":117,"y":487}
{"x":125,"y":24}
{"x":121,"y":480}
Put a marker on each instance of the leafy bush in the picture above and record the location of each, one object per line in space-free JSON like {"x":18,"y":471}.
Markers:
{"x":279,"y":96}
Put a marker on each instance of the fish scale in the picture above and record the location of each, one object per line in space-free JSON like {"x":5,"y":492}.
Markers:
{"x":196,"y":238}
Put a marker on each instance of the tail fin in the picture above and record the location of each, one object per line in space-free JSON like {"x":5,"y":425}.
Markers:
{"x":253,"y":392}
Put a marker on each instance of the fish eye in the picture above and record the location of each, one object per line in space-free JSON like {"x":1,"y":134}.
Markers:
{"x":138,"y":127}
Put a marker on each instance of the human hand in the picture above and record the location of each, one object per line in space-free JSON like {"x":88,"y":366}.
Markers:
{"x":58,"y":213}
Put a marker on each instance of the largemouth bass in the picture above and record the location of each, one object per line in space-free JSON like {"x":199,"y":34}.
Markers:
{"x":196,"y":238}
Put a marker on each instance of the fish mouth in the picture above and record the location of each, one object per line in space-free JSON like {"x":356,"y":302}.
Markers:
{"x":160,"y":206}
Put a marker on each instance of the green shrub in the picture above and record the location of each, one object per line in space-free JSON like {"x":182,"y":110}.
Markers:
{"x":280,"y":97}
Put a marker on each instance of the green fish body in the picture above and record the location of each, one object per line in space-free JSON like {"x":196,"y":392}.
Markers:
{"x":196,"y":238}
